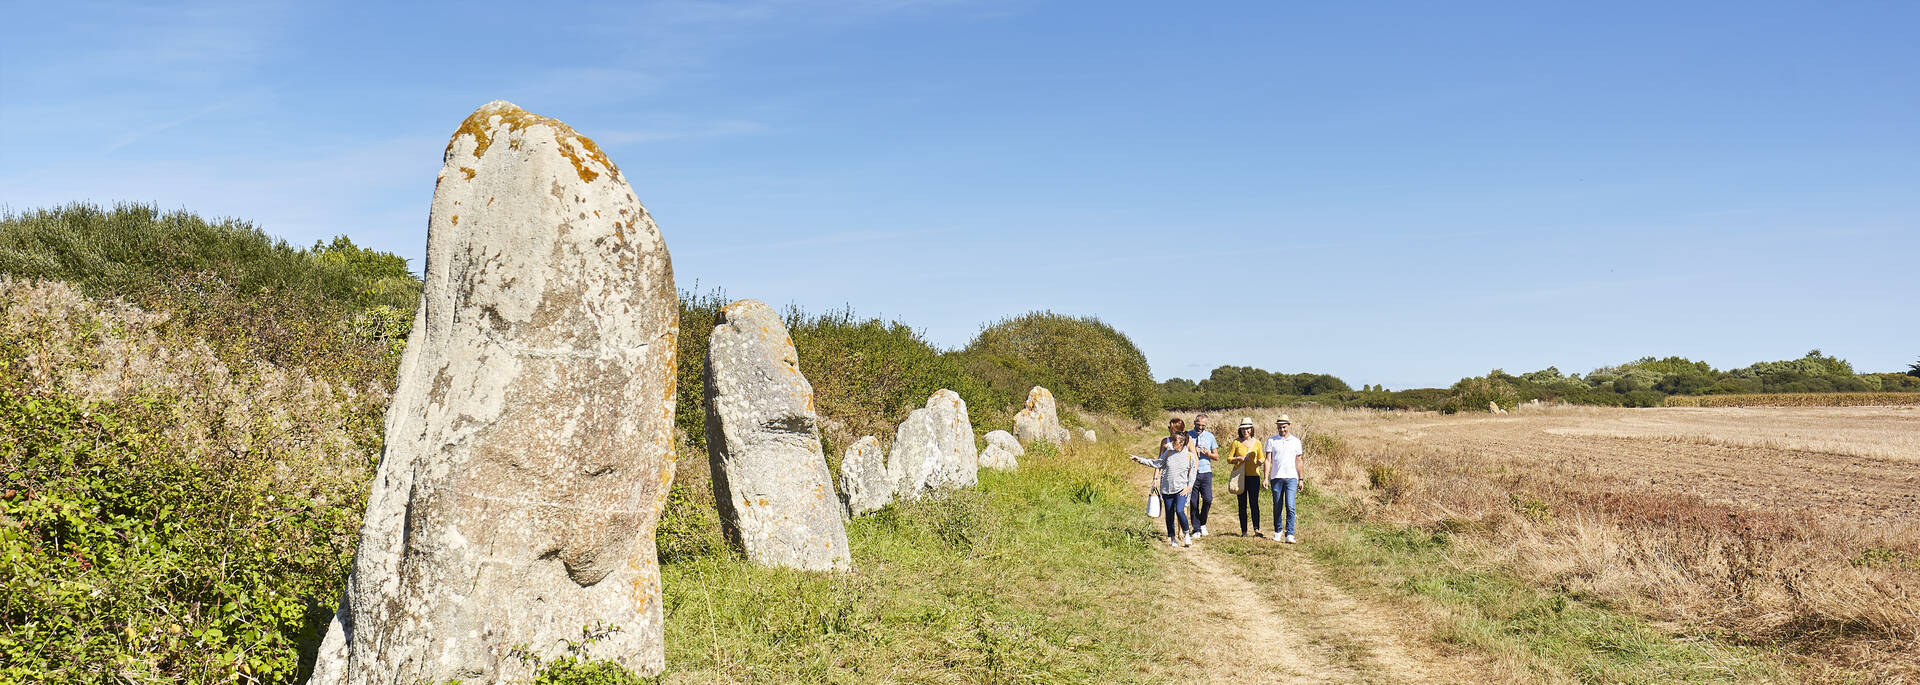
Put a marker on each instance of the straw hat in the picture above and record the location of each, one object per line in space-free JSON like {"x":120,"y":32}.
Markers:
{"x":1246,"y":422}
{"x":1283,"y":420}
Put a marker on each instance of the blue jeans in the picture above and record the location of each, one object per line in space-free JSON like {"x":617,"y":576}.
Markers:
{"x":1174,"y":505}
{"x":1202,"y":500}
{"x":1286,"y":491}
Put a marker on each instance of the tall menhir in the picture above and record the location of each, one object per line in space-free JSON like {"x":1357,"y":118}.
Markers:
{"x":529,"y":445}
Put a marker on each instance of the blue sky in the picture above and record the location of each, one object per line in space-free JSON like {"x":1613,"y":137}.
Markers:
{"x":1397,"y":193}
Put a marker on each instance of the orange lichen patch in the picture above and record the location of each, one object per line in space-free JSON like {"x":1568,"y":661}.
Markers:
{"x":456,"y":220}
{"x":468,"y":171}
{"x":575,"y":147}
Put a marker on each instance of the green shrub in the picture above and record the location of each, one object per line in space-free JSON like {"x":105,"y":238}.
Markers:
{"x":135,"y":251}
{"x":1478,"y":393}
{"x":1644,"y":398}
{"x":1390,"y":483}
{"x":165,"y":516}
{"x":337,"y":310}
{"x":1082,"y":360}
{"x":573,"y":667}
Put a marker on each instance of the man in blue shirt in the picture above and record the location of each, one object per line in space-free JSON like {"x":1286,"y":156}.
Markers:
{"x":1205,"y":447}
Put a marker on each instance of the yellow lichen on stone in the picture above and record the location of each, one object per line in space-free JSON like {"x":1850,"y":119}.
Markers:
{"x":575,"y":147}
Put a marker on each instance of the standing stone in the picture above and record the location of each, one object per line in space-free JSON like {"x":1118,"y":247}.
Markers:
{"x":997,"y":457}
{"x":934,"y":449}
{"x":770,"y":478}
{"x":863,"y":477}
{"x":1040,"y":420}
{"x":528,"y":446}
{"x":1007,"y":442}
{"x":1090,"y":436}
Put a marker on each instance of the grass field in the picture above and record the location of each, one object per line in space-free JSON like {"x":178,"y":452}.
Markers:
{"x":1035,"y":576}
{"x":1786,"y":530}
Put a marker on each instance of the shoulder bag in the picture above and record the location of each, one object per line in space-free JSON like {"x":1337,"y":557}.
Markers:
{"x":1153,"y":497}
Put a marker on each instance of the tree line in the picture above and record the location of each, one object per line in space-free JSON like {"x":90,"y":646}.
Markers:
{"x":1645,"y":382}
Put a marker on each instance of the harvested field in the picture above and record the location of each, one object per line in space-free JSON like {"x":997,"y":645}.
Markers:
{"x":1853,"y":463}
{"x":1793,"y":528}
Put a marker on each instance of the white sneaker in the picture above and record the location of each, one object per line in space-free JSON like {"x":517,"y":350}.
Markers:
{"x":1289,"y":539}
{"x":1203,"y":531}
{"x":1173,"y":542}
{"x":1187,"y":541}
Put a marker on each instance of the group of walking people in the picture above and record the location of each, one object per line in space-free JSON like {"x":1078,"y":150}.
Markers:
{"x":1187,"y":462}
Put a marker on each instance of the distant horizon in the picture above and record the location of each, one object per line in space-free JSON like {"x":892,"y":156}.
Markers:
{"x":1398,"y":194}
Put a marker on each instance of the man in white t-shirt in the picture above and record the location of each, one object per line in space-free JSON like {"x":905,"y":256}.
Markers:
{"x":1284,"y":454}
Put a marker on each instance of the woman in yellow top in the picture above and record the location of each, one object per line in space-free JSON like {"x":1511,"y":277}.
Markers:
{"x":1245,"y":454}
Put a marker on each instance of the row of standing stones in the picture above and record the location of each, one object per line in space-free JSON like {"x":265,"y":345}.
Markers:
{"x":529,"y":445}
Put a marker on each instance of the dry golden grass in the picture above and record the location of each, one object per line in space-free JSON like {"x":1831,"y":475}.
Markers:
{"x":1789,"y":527}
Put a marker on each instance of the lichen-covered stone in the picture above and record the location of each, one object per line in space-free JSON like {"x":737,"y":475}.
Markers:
{"x":997,"y":457}
{"x":934,"y":449}
{"x":1040,"y":420}
{"x":864,"y":484}
{"x":770,"y":479}
{"x":1007,"y":442}
{"x":528,"y":446}
{"x":1090,"y":436}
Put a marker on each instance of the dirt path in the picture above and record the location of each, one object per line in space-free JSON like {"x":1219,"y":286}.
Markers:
{"x":1247,"y":642}
{"x":1263,"y":613}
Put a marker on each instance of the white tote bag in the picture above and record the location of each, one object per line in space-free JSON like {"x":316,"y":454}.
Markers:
{"x":1153,"y":497}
